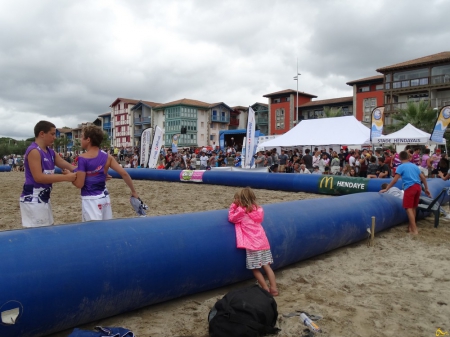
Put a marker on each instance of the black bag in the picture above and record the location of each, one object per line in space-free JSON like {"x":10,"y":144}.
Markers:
{"x":248,"y":312}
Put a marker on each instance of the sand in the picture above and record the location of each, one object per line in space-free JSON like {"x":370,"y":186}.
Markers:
{"x":401,"y":286}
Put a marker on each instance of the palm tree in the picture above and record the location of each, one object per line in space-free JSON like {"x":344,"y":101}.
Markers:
{"x":76,"y":145}
{"x":421,"y":115}
{"x":332,"y":112}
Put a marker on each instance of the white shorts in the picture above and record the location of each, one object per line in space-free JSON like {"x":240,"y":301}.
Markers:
{"x":424,"y":170}
{"x":335,"y":169}
{"x":94,"y":209}
{"x":36,"y":214}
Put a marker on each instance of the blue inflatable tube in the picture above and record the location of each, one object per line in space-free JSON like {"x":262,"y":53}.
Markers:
{"x":310,"y":183}
{"x":5,"y":168}
{"x":58,"y":277}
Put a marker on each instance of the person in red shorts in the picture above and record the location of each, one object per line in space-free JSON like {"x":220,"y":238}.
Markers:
{"x":411,"y":177}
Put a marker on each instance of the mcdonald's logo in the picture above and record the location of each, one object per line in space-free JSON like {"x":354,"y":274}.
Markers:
{"x":325,"y":181}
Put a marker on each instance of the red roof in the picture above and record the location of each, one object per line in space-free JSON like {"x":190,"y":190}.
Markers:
{"x":125,"y":100}
{"x":376,"y":78}
{"x":185,"y":101}
{"x":435,"y":58}
{"x":289,"y":91}
{"x":338,"y":100}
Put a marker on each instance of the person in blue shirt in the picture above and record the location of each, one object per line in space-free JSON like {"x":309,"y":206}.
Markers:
{"x":411,"y":178}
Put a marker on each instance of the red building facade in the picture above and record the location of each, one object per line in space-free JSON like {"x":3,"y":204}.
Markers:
{"x":367,"y":94}
{"x":283,"y":109}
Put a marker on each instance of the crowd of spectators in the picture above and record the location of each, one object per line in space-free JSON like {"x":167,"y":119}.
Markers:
{"x":381,"y":163}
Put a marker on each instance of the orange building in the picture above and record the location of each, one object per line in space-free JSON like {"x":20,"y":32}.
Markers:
{"x":367,"y":95}
{"x":283,"y":109}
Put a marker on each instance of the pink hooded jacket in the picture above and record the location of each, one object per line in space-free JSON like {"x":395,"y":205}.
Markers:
{"x":249,"y":232}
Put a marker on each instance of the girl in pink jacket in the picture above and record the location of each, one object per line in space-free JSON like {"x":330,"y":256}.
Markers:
{"x":247,"y":216}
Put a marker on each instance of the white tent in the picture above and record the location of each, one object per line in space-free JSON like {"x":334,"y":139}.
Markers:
{"x":323,"y":131}
{"x":408,"y":135}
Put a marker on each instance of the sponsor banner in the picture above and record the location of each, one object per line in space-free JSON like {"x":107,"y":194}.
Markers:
{"x":441,"y":124}
{"x":342,"y":185}
{"x":156,"y":147}
{"x":376,"y":128}
{"x":191,"y":175}
{"x":145,"y":146}
{"x":250,"y":144}
{"x":398,"y":140}
{"x":175,"y":139}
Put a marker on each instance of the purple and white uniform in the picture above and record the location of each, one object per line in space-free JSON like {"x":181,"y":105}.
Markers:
{"x":95,"y":201}
{"x":35,"y":206}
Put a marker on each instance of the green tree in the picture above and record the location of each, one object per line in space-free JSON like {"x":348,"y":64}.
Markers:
{"x":76,"y":145}
{"x":332,"y":112}
{"x":106,"y":143}
{"x":421,"y":115}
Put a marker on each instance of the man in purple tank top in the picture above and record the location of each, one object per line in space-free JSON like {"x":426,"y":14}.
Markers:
{"x":39,"y":165}
{"x":91,"y":173}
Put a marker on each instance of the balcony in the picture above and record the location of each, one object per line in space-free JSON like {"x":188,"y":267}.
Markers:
{"x":434,"y":103}
{"x":138,"y":133}
{"x":106,"y":125}
{"x":261,"y":120}
{"x":220,"y":119}
{"x":122,"y":122}
{"x":142,"y":120}
{"x":428,"y":82}
{"x":234,"y":121}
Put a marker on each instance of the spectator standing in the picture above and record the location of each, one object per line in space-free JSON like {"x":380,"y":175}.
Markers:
{"x":203,"y":161}
{"x":308,"y":160}
{"x":283,"y":160}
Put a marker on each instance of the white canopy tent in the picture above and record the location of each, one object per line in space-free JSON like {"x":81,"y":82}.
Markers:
{"x":323,"y":131}
{"x":408,"y":135}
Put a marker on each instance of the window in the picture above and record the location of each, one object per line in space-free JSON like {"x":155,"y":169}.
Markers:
{"x":288,"y":99}
{"x":364,"y":89}
{"x":369,"y":105}
{"x":202,"y":124}
{"x":379,"y":87}
{"x":211,"y":137}
{"x":276,"y":100}
{"x":212,"y":125}
{"x":118,"y":118}
{"x":202,"y":137}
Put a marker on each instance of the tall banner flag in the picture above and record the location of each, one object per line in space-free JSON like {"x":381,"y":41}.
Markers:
{"x":377,"y":122}
{"x":441,"y":124}
{"x":156,"y":147}
{"x":175,"y":140}
{"x":145,"y":146}
{"x":250,"y":145}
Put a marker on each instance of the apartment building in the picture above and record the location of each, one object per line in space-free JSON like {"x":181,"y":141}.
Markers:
{"x":283,"y":109}
{"x":422,"y":79}
{"x":316,"y":109}
{"x":106,"y":125}
{"x":368,"y":93}
{"x":142,"y":116}
{"x":261,"y":117}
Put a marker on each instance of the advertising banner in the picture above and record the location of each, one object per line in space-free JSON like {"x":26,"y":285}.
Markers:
{"x":340,"y":185}
{"x":377,"y":122}
{"x":156,"y":147}
{"x":175,"y":140}
{"x":145,"y":146}
{"x":250,"y":145}
{"x":191,"y":175}
{"x":441,"y":125}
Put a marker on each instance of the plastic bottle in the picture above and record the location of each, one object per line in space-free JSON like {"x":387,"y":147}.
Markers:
{"x":309,"y":323}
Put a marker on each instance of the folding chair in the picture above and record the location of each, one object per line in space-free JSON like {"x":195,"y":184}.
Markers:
{"x":434,"y":205}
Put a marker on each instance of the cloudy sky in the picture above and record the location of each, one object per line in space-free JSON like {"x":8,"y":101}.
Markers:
{"x":67,"y":61}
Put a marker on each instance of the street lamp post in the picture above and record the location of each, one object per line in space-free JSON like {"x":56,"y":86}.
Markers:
{"x":296,"y":79}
